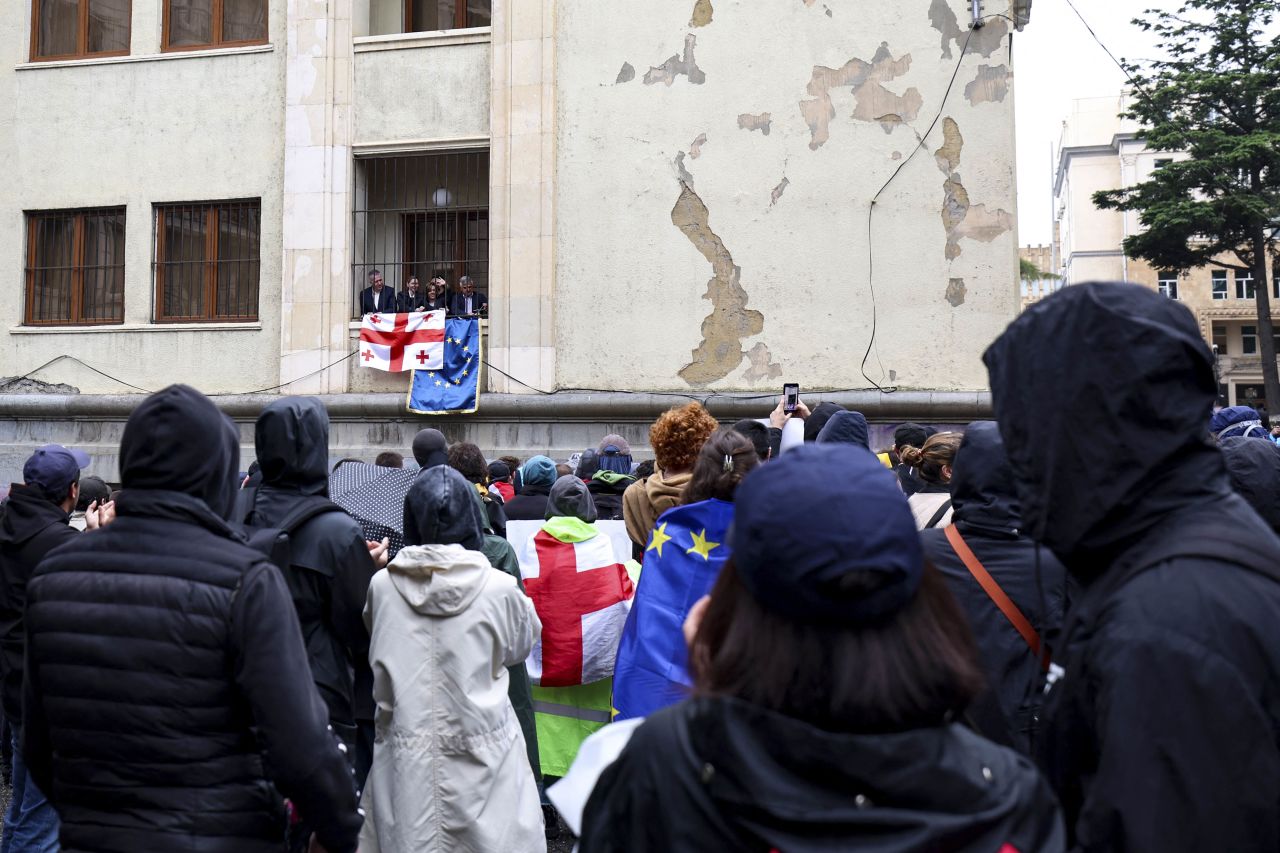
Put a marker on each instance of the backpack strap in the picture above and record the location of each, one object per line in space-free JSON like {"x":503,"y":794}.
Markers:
{"x":998,"y":596}
{"x":305,"y":511}
{"x":937,"y":516}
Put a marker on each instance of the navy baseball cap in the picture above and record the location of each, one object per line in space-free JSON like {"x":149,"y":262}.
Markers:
{"x":821,"y":514}
{"x":53,"y":468}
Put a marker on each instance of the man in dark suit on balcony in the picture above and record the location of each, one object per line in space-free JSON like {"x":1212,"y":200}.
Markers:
{"x":468,"y":301}
{"x":377,"y":298}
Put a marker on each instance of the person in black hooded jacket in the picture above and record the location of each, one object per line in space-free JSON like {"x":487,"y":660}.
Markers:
{"x":1254,"y":469}
{"x":168,"y":701}
{"x":330,"y":564}
{"x":987,"y":517}
{"x":844,"y":427}
{"x":1162,"y":735}
{"x":828,"y":665}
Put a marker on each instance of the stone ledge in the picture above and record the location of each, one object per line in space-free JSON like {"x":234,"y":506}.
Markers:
{"x":938,"y":406}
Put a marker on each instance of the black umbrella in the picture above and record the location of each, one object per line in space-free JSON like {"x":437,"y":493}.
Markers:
{"x":374,"y":496}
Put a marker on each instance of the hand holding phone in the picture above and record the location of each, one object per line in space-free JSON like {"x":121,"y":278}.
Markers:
{"x":790,"y":397}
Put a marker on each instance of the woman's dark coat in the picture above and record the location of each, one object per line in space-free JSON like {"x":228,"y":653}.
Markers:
{"x":987,"y":515}
{"x":722,"y":774}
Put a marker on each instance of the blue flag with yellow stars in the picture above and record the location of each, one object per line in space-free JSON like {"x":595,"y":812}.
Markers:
{"x":454,"y":389}
{"x":681,"y":563}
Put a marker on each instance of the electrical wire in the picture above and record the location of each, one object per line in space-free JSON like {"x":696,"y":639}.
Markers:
{"x":1107,"y":50}
{"x":871,"y":208}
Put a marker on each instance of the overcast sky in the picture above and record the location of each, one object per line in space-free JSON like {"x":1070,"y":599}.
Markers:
{"x":1057,"y":61}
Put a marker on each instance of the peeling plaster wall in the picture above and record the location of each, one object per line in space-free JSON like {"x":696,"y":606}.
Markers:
{"x":649,"y":297}
{"x":158,"y":128}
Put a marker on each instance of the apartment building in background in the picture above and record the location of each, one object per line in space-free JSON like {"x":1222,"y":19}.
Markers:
{"x":1099,"y":150}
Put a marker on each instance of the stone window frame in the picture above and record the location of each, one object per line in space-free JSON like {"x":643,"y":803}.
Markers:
{"x":1219,"y":277}
{"x":77,"y":267}
{"x":210,"y":264}
{"x":1245,"y":285}
{"x":217,"y":7}
{"x":82,"y":34}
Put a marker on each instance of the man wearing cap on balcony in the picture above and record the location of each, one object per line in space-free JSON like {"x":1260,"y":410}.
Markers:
{"x":33,"y":523}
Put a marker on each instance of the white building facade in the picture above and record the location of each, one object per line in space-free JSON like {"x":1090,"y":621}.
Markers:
{"x":674,"y":197}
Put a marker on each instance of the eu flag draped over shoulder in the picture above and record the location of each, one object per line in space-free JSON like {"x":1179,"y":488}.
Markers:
{"x":454,"y":388}
{"x":681,"y":563}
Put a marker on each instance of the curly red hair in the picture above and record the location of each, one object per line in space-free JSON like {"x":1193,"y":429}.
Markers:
{"x":678,"y":435}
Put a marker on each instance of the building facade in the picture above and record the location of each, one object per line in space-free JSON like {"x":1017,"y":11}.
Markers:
{"x":1100,"y":151}
{"x":198,"y":190}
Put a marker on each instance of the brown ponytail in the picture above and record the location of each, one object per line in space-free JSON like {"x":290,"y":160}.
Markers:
{"x":938,"y":451}
{"x":725,"y":458}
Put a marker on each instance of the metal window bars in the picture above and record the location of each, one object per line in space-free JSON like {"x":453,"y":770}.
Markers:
{"x":421,"y":215}
{"x":207,"y":261}
{"x":75,"y":266}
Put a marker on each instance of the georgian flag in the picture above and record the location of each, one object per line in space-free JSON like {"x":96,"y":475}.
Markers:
{"x":582,"y":595}
{"x":400,"y":342}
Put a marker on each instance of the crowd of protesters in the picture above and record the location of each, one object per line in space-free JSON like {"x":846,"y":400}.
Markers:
{"x":1055,"y":630}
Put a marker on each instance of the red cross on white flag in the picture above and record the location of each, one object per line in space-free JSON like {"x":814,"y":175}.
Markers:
{"x":582,"y":595}
{"x":400,"y":342}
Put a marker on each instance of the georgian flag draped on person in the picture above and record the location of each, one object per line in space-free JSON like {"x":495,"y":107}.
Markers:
{"x":400,"y":342}
{"x":685,"y":553}
{"x":582,"y":595}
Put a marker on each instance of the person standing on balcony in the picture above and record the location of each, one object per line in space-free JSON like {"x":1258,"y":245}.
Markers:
{"x":376,"y":297}
{"x":468,"y":301}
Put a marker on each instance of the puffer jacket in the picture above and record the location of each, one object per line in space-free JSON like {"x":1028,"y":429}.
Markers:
{"x":1164,"y":733}
{"x":31,"y":526}
{"x":169,"y":703}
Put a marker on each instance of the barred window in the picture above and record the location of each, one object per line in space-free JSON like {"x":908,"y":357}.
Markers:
{"x":423,"y":216}
{"x":195,"y":24}
{"x":75,"y":266}
{"x":207,"y":261}
{"x":78,"y":29}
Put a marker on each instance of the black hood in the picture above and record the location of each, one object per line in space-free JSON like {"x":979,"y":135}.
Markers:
{"x":818,"y":419}
{"x":783,"y":780}
{"x":1102,"y":392}
{"x":292,"y":442}
{"x":430,"y":448}
{"x":845,"y":428}
{"x":178,"y":441}
{"x":982,"y":488}
{"x":441,"y":509}
{"x":26,"y":513}
{"x":570,"y":497}
{"x":1253,"y":466}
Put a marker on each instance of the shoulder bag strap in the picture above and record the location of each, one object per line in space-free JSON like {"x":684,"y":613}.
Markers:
{"x":937,"y":516}
{"x":998,"y":595}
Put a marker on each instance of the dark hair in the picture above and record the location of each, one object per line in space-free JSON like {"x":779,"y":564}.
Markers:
{"x":910,"y":435}
{"x":644,"y":469}
{"x":710,"y":478}
{"x":588,"y":464}
{"x":467,"y":460}
{"x":512,"y":462}
{"x":915,"y":669}
{"x":92,"y":488}
{"x":757,"y":433}
{"x":389,"y":459}
{"x":939,"y":450}
{"x":563,"y":469}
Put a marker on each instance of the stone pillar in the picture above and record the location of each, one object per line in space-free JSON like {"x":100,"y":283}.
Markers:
{"x":316,"y":285}
{"x":521,"y":195}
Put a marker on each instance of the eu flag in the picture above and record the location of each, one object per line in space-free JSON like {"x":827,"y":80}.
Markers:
{"x":454,"y":389}
{"x":681,"y":563}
